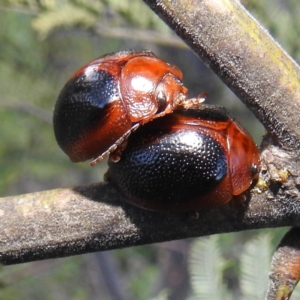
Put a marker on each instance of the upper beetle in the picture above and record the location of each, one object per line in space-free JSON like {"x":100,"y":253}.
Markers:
{"x":104,"y":101}
{"x":185,"y":161}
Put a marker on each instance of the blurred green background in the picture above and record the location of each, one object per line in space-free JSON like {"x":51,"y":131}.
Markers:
{"x":42,"y":43}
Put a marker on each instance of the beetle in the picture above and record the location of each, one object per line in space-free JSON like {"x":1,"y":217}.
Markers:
{"x":186,"y":161}
{"x":108,"y":98}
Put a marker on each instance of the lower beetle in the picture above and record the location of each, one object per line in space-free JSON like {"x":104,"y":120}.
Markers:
{"x":186,"y":161}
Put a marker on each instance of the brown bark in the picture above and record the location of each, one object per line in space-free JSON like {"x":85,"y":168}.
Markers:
{"x":90,"y":218}
{"x":285,"y":267}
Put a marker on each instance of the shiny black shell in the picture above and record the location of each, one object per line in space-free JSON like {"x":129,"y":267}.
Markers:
{"x":81,"y":105}
{"x":185,"y":161}
{"x":171,"y":166}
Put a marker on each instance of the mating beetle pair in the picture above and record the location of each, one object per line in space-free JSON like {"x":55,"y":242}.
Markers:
{"x":190,"y":156}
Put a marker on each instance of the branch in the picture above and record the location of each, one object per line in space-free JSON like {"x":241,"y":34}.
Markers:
{"x":284,"y":274}
{"x":66,"y":222}
{"x":244,"y":56}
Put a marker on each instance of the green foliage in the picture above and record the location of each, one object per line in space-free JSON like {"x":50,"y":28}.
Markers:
{"x":141,"y":272}
{"x":206,"y":268}
{"x":33,"y":282}
{"x":66,"y":15}
{"x":21,"y":88}
{"x":138,"y":286}
{"x":254,"y":265}
{"x":163,"y":295}
{"x":137,"y":13}
{"x":209,"y":266}
{"x":281,"y":18}
{"x":50,"y":15}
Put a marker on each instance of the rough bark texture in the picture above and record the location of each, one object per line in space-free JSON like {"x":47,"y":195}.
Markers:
{"x":285,"y":267}
{"x":90,"y":218}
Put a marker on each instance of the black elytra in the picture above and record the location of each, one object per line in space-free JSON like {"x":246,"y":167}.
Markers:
{"x":171,"y":165}
{"x":82,"y":100}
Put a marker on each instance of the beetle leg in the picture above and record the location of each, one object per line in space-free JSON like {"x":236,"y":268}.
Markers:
{"x":194,"y":103}
{"x":117,"y":147}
